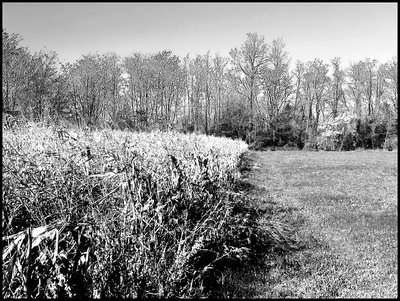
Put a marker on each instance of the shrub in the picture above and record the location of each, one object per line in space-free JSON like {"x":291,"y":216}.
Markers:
{"x":348,"y":142}
{"x":290,"y":146}
{"x":337,"y":134}
{"x":371,"y":133}
{"x":390,"y":143}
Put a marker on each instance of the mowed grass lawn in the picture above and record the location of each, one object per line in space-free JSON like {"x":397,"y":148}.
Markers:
{"x":344,"y":207}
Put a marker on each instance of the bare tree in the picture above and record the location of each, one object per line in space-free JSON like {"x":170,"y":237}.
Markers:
{"x":337,"y":90}
{"x":219,"y":87}
{"x":93,"y":85}
{"x":276,"y":84}
{"x":392,"y":84}
{"x":316,"y":87}
{"x":247,"y":64}
{"x":355,"y":86}
{"x":140,"y":83}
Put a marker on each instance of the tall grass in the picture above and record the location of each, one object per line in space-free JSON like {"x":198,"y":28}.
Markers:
{"x":119,"y":214}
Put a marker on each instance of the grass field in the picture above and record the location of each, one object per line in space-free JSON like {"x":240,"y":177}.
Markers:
{"x":344,"y":205}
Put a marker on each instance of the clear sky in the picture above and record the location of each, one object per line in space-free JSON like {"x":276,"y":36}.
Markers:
{"x":352,"y":31}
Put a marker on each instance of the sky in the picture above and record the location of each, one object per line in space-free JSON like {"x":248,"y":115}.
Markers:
{"x":352,"y":31}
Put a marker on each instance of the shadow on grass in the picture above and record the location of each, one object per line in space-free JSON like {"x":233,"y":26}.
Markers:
{"x":309,"y":271}
{"x":292,"y":263}
{"x":279,"y":225}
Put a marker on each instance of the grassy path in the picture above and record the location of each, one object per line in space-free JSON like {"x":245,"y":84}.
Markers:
{"x":344,"y":205}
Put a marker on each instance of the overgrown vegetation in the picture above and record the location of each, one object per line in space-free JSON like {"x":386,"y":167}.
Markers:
{"x":121,"y":214}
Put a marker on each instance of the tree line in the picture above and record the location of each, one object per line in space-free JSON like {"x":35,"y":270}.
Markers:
{"x":253,"y":94}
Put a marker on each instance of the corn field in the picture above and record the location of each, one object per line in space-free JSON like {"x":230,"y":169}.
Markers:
{"x":101,"y":214}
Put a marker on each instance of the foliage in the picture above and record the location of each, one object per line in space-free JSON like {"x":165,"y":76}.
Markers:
{"x":234,"y":123}
{"x":371,"y":133}
{"x":390,"y":143}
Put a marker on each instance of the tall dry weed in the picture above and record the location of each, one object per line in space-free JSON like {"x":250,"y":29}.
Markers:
{"x":117,"y":214}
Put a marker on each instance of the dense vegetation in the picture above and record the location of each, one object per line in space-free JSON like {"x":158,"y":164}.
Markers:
{"x":121,"y":214}
{"x":254,"y":94}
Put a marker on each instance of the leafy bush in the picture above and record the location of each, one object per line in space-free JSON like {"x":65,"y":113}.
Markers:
{"x":390,"y":143}
{"x":290,"y":146}
{"x":337,"y":134}
{"x":371,"y":133}
{"x":310,"y":145}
